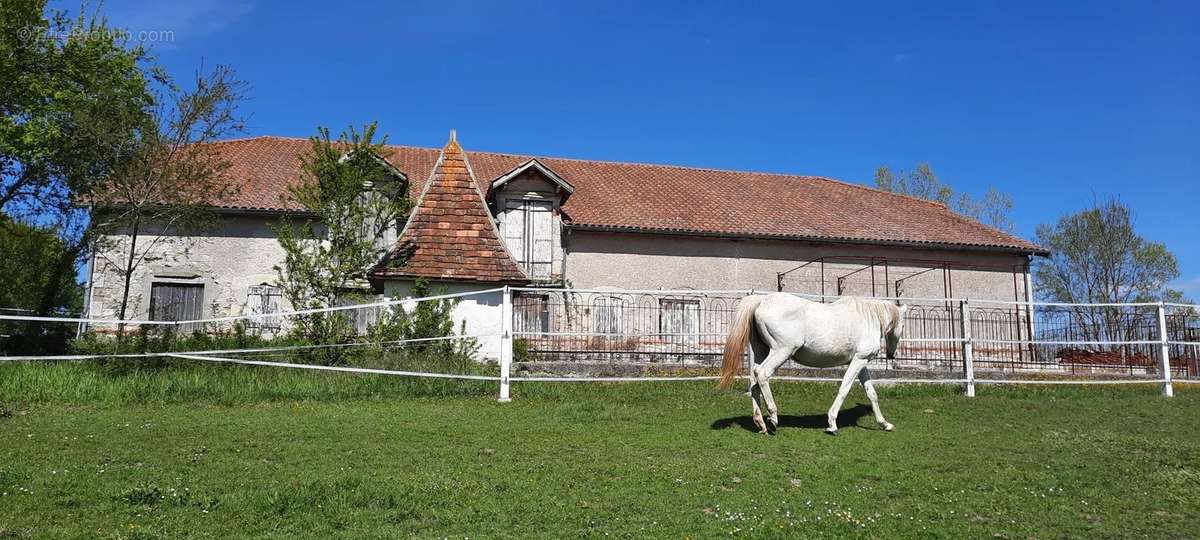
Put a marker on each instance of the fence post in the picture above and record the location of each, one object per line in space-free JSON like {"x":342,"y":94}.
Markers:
{"x":968,"y":348}
{"x":506,"y":343}
{"x":1165,"y":358}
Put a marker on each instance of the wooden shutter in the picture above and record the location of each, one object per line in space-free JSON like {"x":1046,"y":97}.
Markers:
{"x":528,"y":229}
{"x":607,"y":315}
{"x":176,"y":301}
{"x":680,"y":317}
{"x":541,"y":239}
{"x":514,"y":230}
{"x":263,"y":300}
{"x":532,"y":313}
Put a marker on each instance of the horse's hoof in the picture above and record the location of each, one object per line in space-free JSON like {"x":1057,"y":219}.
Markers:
{"x":888,"y":427}
{"x":831,"y":431}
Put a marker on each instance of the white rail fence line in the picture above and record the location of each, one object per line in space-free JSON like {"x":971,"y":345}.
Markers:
{"x":508,"y":335}
{"x":967,"y":341}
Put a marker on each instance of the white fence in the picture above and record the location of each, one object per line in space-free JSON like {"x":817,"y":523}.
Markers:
{"x":679,"y":334}
{"x":959,"y":341}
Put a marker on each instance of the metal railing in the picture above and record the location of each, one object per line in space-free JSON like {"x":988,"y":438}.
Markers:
{"x":1004,"y":341}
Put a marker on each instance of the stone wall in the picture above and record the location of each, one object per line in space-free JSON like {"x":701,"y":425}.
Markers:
{"x":647,"y":261}
{"x":238,"y":253}
{"x":241,"y":251}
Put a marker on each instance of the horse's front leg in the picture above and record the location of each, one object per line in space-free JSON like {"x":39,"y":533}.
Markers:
{"x":856,"y":365}
{"x":864,"y":377}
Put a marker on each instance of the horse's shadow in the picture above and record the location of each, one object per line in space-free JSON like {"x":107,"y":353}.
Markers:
{"x":846,"y":418}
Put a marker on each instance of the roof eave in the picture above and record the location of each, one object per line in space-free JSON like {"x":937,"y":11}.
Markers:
{"x":387,"y":276}
{"x":265,"y":212}
{"x":226,"y":210}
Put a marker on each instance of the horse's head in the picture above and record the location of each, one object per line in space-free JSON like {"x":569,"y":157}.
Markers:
{"x":895,"y":331}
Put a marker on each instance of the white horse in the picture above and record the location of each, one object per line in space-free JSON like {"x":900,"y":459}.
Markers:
{"x":779,"y":326}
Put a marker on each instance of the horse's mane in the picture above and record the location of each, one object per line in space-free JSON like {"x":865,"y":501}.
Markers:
{"x":885,"y":313}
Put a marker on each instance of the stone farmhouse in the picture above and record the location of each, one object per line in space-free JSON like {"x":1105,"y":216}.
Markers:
{"x":486,"y":219}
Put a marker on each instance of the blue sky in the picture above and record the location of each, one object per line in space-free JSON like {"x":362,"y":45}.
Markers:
{"x":1055,"y":104}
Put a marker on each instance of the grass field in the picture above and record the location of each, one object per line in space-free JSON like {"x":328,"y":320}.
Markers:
{"x":257,"y":452}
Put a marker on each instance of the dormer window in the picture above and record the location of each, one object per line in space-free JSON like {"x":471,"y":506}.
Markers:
{"x":527,"y":201}
{"x":529,"y":233}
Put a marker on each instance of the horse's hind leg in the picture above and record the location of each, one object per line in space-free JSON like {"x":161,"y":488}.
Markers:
{"x":756,"y":396}
{"x":765,"y":371}
{"x":864,"y":377}
{"x":856,"y":365}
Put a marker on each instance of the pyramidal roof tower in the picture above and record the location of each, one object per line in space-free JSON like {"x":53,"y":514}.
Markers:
{"x":450,"y":234}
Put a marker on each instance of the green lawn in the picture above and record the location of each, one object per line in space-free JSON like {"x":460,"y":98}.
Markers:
{"x":324,"y":455}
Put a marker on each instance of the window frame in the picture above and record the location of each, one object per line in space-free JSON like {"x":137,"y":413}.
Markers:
{"x":197,"y":309}
{"x":679,"y":307}
{"x":614,"y":306}
{"x":269,"y":324}
{"x":538,"y":305}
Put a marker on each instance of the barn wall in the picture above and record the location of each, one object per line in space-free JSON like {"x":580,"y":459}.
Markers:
{"x":596,"y":259}
{"x":242,"y":250}
{"x":237,"y":254}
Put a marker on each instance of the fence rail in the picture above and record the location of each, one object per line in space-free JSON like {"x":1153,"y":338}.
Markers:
{"x":1002,"y":341}
{"x":955,"y":341}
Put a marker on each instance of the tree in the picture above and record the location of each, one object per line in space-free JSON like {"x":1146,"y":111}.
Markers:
{"x":35,"y":261}
{"x":356,"y":198}
{"x":173,"y":177}
{"x":73,"y":94}
{"x":993,"y":209}
{"x":1098,"y":257}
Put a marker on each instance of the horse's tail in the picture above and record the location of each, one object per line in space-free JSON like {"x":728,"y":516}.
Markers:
{"x":735,"y":344}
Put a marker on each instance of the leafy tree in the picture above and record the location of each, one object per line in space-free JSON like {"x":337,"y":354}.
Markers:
{"x":357,"y":199}
{"x":1098,"y":257}
{"x":170,"y":182}
{"x":73,"y":94}
{"x":34,"y":261}
{"x":992,"y":209}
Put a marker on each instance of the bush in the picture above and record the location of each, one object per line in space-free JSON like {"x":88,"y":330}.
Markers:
{"x":386,"y":345}
{"x":429,"y":320}
{"x":521,"y":352}
{"x":160,"y":339}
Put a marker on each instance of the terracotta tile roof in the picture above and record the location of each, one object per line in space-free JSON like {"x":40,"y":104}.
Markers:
{"x":450,"y":234}
{"x":667,"y":199}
